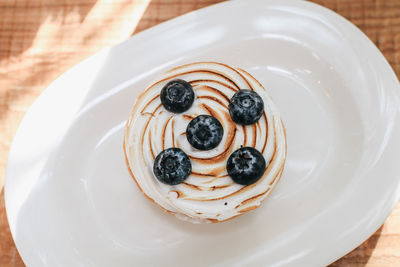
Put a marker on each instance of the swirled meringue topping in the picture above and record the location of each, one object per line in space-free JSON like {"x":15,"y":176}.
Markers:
{"x":208,"y":194}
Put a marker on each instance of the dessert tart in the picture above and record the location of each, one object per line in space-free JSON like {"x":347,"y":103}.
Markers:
{"x":205,"y":142}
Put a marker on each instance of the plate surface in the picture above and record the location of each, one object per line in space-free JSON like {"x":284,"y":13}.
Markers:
{"x":71,"y":201}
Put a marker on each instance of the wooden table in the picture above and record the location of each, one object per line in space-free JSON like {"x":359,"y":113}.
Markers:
{"x":40,"y":39}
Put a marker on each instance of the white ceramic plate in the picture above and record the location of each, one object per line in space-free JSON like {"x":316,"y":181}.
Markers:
{"x":71,"y":201}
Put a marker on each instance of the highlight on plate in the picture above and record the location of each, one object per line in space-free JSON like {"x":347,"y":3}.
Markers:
{"x":205,"y":142}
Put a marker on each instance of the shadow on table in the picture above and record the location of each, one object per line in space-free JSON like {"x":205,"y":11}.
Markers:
{"x":361,"y":255}
{"x":159,"y":11}
{"x":27,"y":25}
{"x":8,"y":253}
{"x":25,"y":18}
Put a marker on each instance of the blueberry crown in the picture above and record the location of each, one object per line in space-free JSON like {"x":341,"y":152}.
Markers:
{"x":245,"y":166}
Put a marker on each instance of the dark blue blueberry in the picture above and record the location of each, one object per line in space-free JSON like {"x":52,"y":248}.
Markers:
{"x":246,"y":107}
{"x":172,"y":166}
{"x":177,"y":96}
{"x":246,"y":165}
{"x":204,"y":132}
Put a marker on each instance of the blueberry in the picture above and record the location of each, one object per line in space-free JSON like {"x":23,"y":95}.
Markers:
{"x":172,"y":166}
{"x":204,"y":132}
{"x":246,"y":107}
{"x":246,"y":165}
{"x":177,"y":96}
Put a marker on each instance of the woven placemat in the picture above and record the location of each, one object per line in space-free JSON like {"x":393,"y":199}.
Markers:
{"x":40,"y":39}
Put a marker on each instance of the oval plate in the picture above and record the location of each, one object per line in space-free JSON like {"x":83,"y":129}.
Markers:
{"x":71,"y":201}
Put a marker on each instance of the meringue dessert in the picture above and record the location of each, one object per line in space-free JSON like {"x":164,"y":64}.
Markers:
{"x":205,"y":142}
